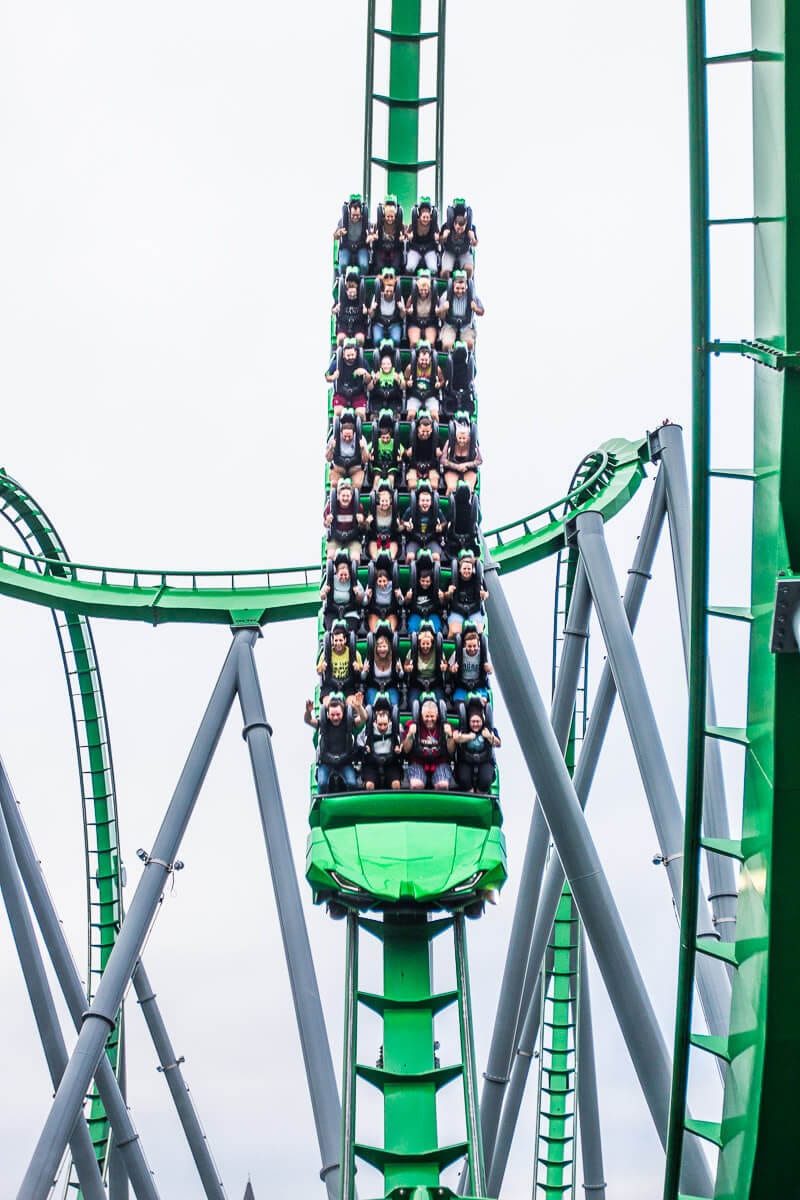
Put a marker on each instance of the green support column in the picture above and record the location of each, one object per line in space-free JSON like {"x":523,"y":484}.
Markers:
{"x":404,"y":83}
{"x":409,"y":1113}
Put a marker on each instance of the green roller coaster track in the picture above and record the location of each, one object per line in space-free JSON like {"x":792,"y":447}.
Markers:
{"x":762,"y":1049}
{"x":756,"y":1134}
{"x":259,"y":597}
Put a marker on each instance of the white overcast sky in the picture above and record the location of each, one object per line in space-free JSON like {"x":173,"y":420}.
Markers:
{"x":172,"y":173}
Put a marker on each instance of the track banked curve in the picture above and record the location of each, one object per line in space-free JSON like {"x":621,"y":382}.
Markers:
{"x":259,"y":597}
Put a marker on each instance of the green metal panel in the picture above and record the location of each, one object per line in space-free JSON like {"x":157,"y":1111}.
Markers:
{"x":404,"y":98}
{"x":758,"y":1146}
{"x":390,"y":846}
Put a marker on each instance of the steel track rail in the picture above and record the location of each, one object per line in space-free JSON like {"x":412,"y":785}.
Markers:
{"x":95,"y":773}
{"x":260,"y":597}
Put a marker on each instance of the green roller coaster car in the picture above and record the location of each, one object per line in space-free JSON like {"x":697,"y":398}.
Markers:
{"x":377,"y":848}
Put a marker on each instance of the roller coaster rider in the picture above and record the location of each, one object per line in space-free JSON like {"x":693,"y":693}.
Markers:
{"x":423,"y":452}
{"x":424,"y":598}
{"x":341,"y":593}
{"x":428,"y":746}
{"x":421,"y":320}
{"x":383,"y":535}
{"x":387,"y":451}
{"x":424,"y":664}
{"x":348,"y":373}
{"x":343,"y":520}
{"x":352,"y":234}
{"x":387,"y":310}
{"x":337,"y":752}
{"x":466,"y":594}
{"x":457,"y":311}
{"x":461,"y":454}
{"x":347,"y":451}
{"x":475,"y":744}
{"x":383,"y":599}
{"x":339,"y":665}
{"x":387,"y":385}
{"x":423,"y":524}
{"x":379,"y":745}
{"x":469,"y":665}
{"x":424,"y":381}
{"x":422,"y":237}
{"x":350,"y":310}
{"x":457,"y":239}
{"x":383,"y":670}
{"x":387,"y":236}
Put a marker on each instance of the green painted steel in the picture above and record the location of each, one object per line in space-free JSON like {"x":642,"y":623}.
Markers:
{"x":403,"y":100}
{"x":408,"y":1074}
{"x":95,"y":773}
{"x":263,"y":596}
{"x":556,"y":1117}
{"x":384,"y":847}
{"x":756,"y":1136}
{"x":556,"y":1109}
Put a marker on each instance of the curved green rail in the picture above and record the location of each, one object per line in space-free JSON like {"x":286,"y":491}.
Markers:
{"x":95,"y":771}
{"x":259,"y":597}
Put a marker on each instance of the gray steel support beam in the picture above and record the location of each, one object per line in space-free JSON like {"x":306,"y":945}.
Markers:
{"x":44,"y":1010}
{"x":594,"y":1179}
{"x":721,"y":874}
{"x":712,"y":981}
{"x":475,"y":1166}
{"x":524,"y":1047}
{"x":522,"y":930}
{"x":102,"y":1013}
{"x":585,"y":873}
{"x":302,"y":976}
{"x":508,"y":1016}
{"x":170,"y":1066}
{"x":126,"y":1139}
{"x":348,"y":1139}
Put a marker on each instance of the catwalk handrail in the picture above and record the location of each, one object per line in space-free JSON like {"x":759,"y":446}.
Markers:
{"x":258,"y":596}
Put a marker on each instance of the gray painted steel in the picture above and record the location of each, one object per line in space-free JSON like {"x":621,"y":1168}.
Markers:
{"x":350,"y":1050}
{"x":587,"y":879}
{"x":133,"y":932}
{"x":638,"y":577}
{"x":127,"y":1143}
{"x":721,"y":874}
{"x":475,"y":1169}
{"x":594,"y":1179}
{"x":302,"y":976}
{"x":712,"y":982}
{"x":44,"y":1010}
{"x":171,"y":1070}
{"x":524,"y":1045}
{"x":509,"y":1009}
